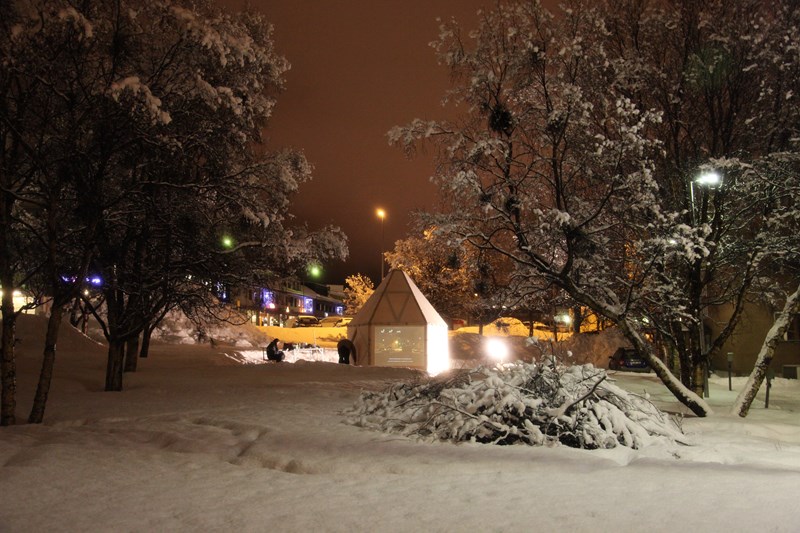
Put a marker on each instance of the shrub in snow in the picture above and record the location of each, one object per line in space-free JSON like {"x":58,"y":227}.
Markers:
{"x":519,"y":403}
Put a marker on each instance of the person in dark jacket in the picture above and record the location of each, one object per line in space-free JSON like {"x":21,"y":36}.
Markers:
{"x":274,"y":353}
{"x":346,"y":349}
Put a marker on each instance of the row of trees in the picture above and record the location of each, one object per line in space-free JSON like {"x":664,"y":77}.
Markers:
{"x":577,"y":155}
{"x":132,"y":152}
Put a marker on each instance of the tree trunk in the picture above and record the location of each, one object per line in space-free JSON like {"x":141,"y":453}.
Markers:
{"x":8,"y":364}
{"x":679,"y":351}
{"x":8,"y":368}
{"x":690,"y":355}
{"x":74,"y":319}
{"x":114,"y":368}
{"x":132,"y":354}
{"x":48,"y":363}
{"x":745,"y":398}
{"x":683,"y":394}
{"x":144,"y":350}
{"x":686,"y":396}
{"x":699,"y":379}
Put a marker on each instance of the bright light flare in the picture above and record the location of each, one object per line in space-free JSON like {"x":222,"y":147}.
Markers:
{"x":381,"y":213}
{"x":19,"y":300}
{"x":708,"y":178}
{"x":314,"y":271}
{"x":496,"y":349}
{"x":438,"y":349}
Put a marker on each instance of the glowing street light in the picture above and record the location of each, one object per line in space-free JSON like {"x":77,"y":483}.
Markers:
{"x":314,"y":270}
{"x":381,"y":215}
{"x":708,"y":178}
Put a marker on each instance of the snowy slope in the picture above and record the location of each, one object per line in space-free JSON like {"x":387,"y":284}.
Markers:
{"x":197,"y":442}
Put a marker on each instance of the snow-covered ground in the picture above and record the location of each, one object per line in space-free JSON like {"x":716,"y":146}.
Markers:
{"x":198,"y":441}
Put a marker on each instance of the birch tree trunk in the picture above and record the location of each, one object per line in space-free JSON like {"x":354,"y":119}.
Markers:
{"x":745,"y":399}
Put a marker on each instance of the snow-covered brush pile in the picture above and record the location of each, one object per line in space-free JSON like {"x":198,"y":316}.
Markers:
{"x":519,"y":403}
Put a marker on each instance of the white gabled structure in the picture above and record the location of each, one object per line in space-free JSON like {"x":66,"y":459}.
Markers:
{"x":399,"y":327}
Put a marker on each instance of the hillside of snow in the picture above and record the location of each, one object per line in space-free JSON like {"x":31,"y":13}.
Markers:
{"x":198,"y":442}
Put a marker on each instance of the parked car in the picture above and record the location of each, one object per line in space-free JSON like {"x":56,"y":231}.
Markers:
{"x":628,"y":360}
{"x":302,"y":321}
{"x":335,"y":321}
{"x":457,"y":323}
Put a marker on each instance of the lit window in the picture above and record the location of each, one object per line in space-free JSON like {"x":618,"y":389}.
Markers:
{"x":267,"y":298}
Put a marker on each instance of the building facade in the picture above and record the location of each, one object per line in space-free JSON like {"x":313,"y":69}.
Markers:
{"x":273,"y":306}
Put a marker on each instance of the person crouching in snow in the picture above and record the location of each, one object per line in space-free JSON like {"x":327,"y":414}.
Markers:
{"x":274,"y":353}
{"x":346,"y":350}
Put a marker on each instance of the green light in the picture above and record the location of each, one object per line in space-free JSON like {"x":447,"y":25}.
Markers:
{"x":314,"y":271}
{"x":227,"y":241}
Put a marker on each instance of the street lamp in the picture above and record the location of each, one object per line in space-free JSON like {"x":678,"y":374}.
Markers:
{"x":709,"y":179}
{"x":381,"y":215}
{"x":314,"y":270}
{"x":706,"y":179}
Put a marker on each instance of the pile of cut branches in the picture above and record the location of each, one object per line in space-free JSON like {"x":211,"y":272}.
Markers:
{"x":534,"y":404}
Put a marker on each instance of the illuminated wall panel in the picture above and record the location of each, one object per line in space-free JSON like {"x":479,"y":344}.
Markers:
{"x":400,"y":346}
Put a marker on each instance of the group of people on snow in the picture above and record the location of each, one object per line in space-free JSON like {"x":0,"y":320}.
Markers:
{"x":345,"y":348}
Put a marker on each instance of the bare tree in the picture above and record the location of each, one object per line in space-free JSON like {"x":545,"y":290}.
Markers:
{"x":552,"y":168}
{"x":779,"y":258}
{"x":582,"y":140}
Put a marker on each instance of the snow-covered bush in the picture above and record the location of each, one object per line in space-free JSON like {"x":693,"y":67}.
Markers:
{"x":523,"y":403}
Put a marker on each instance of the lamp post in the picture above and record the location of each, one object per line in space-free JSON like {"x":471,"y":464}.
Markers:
{"x":381,"y":215}
{"x":770,"y":377}
{"x":730,"y":368}
{"x":708,"y":179}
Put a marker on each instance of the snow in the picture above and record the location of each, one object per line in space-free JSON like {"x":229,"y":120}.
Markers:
{"x":151,"y":104}
{"x":79,"y":21}
{"x":198,"y":441}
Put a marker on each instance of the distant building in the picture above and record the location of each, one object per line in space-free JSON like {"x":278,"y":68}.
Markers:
{"x":746,"y":341}
{"x":273,"y":306}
